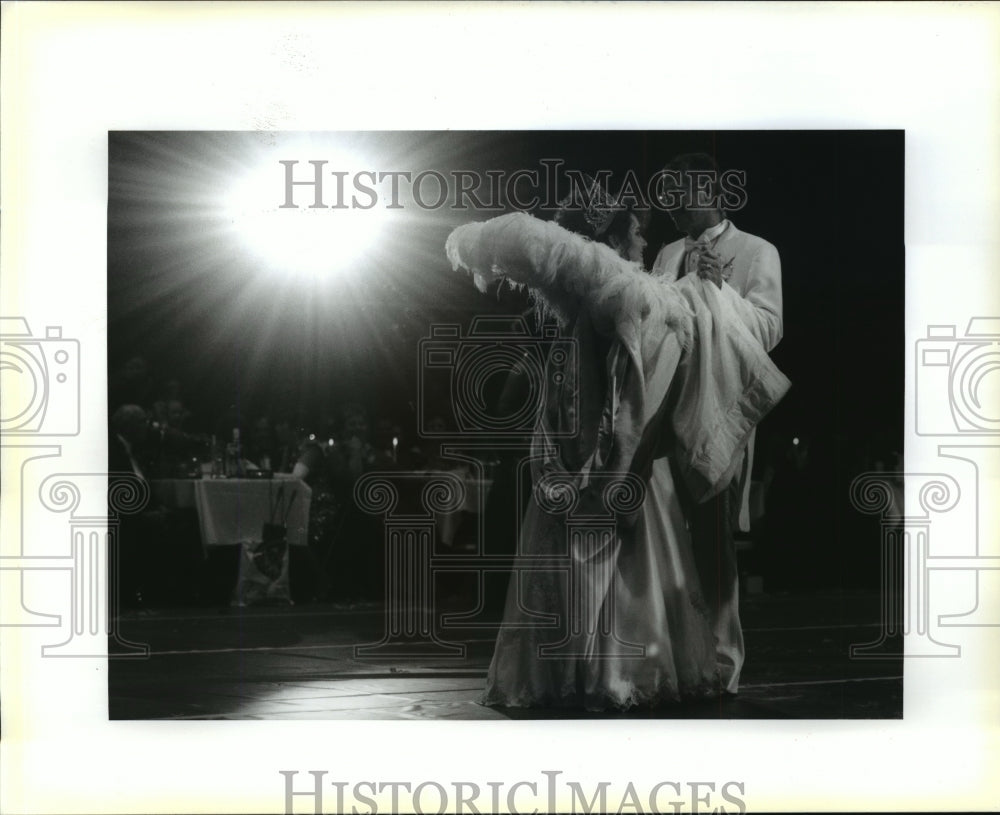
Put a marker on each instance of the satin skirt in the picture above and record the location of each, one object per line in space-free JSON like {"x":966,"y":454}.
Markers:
{"x":605,"y":618}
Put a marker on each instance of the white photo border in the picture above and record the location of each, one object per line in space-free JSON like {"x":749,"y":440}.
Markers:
{"x":73,"y":71}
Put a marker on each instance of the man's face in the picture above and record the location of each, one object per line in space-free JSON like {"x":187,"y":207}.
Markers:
{"x":135,"y":368}
{"x":674,"y":196}
{"x":137,"y":428}
{"x":175,"y":413}
{"x":261,"y":432}
{"x":356,"y":426}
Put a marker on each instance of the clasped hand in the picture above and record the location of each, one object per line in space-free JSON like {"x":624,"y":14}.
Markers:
{"x":711,"y":266}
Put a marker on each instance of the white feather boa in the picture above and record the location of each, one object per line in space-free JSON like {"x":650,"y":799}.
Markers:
{"x":723,"y":384}
{"x":563,"y":270}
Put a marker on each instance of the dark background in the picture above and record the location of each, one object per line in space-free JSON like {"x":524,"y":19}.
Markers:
{"x":199,"y":309}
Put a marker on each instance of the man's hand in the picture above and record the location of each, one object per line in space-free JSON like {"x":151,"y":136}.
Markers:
{"x":711,"y":267}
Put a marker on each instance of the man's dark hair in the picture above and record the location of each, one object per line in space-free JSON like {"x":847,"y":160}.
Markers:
{"x":701,"y":162}
{"x":692,"y":161}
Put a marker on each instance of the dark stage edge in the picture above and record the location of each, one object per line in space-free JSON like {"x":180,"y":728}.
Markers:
{"x":298,"y":662}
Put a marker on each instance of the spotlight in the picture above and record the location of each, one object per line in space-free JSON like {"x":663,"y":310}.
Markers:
{"x":301,"y":241}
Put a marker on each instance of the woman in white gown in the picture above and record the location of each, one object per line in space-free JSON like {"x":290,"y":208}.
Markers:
{"x":604,"y":608}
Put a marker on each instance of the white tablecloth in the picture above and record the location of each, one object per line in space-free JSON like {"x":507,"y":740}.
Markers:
{"x":233,"y":510}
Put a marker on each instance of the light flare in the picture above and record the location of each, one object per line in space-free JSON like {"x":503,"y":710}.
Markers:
{"x":303,"y":240}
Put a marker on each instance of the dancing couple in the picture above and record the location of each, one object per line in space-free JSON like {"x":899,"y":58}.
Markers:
{"x":624,"y":591}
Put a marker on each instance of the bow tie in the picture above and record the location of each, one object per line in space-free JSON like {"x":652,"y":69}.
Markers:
{"x":691,"y":243}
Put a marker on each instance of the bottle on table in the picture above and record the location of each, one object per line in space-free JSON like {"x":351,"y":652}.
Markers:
{"x":234,"y":456}
{"x":218,"y":459}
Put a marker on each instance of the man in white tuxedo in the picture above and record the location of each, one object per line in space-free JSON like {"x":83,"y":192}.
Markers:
{"x":747,"y":270}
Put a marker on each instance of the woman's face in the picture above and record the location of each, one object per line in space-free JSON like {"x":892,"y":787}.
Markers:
{"x":633,"y":245}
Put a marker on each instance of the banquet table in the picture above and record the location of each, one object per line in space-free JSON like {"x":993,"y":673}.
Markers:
{"x":234,"y":510}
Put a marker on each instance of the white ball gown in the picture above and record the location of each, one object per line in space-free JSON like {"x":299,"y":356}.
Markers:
{"x":604,"y":609}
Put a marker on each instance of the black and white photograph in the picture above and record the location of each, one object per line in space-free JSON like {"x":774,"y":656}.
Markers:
{"x":487,"y":425}
{"x":479,"y":407}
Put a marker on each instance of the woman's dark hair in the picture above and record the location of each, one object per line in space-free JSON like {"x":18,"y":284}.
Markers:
{"x":598,"y":216}
{"x":622,"y":222}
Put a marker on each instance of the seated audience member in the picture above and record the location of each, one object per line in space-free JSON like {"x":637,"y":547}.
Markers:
{"x":355,"y":455}
{"x":142,"y":533}
{"x":132,"y":384}
{"x":127,"y":441}
{"x":310,"y":465}
{"x":325,"y":517}
{"x":157,"y":552}
{"x":386,"y":444}
{"x":286,"y":446}
{"x":260,"y":447}
{"x":176,"y":451}
{"x":172,"y":389}
{"x":426,"y":453}
{"x":231,"y":421}
{"x":177,"y":414}
{"x":454,"y":529}
{"x":357,"y":553}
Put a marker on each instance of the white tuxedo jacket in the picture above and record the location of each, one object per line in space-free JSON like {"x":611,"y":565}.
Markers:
{"x":754,"y":289}
{"x":755,"y":279}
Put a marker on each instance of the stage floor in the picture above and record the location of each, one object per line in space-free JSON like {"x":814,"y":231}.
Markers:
{"x":299,"y":662}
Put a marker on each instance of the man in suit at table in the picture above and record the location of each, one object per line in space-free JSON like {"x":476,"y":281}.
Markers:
{"x":157,"y":553}
{"x":747,"y":270}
